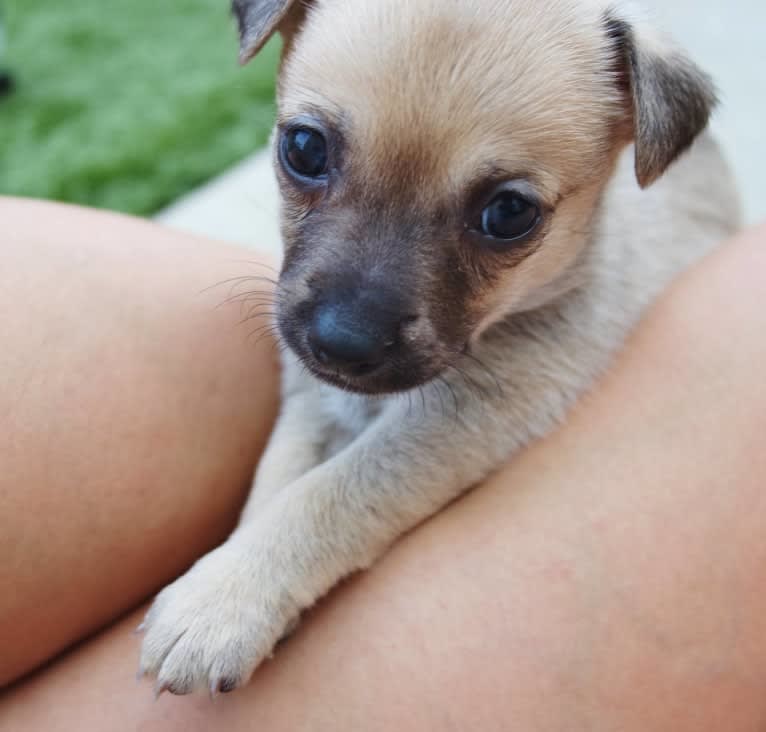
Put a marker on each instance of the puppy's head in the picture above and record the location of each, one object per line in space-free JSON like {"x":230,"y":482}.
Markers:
{"x":440,"y":162}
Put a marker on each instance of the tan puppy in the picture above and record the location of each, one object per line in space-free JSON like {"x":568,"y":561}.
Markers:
{"x":467,"y":243}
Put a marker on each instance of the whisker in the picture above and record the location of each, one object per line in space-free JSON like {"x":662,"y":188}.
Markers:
{"x":470,"y":382}
{"x":422,"y":400}
{"x":248,"y":295}
{"x":486,"y":370}
{"x":439,"y":381}
{"x":234,"y":281}
{"x":255,"y":263}
{"x":258,"y":316}
{"x":264,"y":330}
{"x":446,"y":383}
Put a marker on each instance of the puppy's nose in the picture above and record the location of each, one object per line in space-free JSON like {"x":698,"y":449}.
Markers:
{"x":352,"y":339}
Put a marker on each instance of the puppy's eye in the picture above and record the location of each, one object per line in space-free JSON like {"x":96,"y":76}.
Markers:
{"x":304,"y":152}
{"x":509,"y":216}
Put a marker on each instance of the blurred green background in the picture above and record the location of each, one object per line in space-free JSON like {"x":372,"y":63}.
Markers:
{"x":127,"y":104}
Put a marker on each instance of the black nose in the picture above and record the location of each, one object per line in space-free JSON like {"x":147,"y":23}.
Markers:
{"x":352,"y":339}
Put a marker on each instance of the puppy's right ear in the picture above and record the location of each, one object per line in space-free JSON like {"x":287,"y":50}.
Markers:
{"x":258,"y":20}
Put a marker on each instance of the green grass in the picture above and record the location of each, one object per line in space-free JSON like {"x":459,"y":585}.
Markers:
{"x":127,"y":104}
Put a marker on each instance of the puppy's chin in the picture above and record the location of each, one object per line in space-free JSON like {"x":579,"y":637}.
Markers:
{"x":386,"y":379}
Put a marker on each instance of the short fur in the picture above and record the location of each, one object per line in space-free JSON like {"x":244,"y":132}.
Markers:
{"x":427,"y":103}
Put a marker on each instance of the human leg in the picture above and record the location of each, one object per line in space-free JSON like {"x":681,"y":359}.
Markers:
{"x":132,"y":409}
{"x":610,"y":578}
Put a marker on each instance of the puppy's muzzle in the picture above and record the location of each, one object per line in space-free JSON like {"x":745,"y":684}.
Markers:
{"x":354,"y":338}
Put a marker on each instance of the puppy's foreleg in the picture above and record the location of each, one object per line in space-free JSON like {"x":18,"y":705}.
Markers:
{"x":217,"y":623}
{"x":297,"y":442}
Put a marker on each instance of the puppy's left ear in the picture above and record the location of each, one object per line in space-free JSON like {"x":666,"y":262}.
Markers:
{"x":669,"y":99}
{"x":258,"y":20}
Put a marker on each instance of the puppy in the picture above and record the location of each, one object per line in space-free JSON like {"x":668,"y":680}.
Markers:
{"x":473,"y":222}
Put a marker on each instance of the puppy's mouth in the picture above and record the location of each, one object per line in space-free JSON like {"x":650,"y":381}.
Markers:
{"x":375,"y":384}
{"x":396,"y":374}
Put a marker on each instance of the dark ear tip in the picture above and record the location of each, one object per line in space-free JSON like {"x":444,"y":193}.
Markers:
{"x":645,"y":178}
{"x":244,"y":56}
{"x":250,"y":45}
{"x":257,"y":21}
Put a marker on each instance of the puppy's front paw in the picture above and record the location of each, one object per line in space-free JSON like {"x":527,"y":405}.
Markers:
{"x":212,"y":627}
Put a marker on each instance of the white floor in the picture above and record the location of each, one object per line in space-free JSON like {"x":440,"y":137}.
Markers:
{"x":724,"y":37}
{"x":240,"y":206}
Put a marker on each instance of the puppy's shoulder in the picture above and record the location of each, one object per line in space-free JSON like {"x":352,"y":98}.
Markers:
{"x":695,"y":202}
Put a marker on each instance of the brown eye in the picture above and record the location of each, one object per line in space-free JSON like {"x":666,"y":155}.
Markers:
{"x":304,"y":152}
{"x":509,"y":216}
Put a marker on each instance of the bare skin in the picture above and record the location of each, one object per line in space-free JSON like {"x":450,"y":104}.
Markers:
{"x":132,"y":409}
{"x":611,"y":577}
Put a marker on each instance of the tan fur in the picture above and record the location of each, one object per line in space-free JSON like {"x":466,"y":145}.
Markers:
{"x":430,"y":97}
